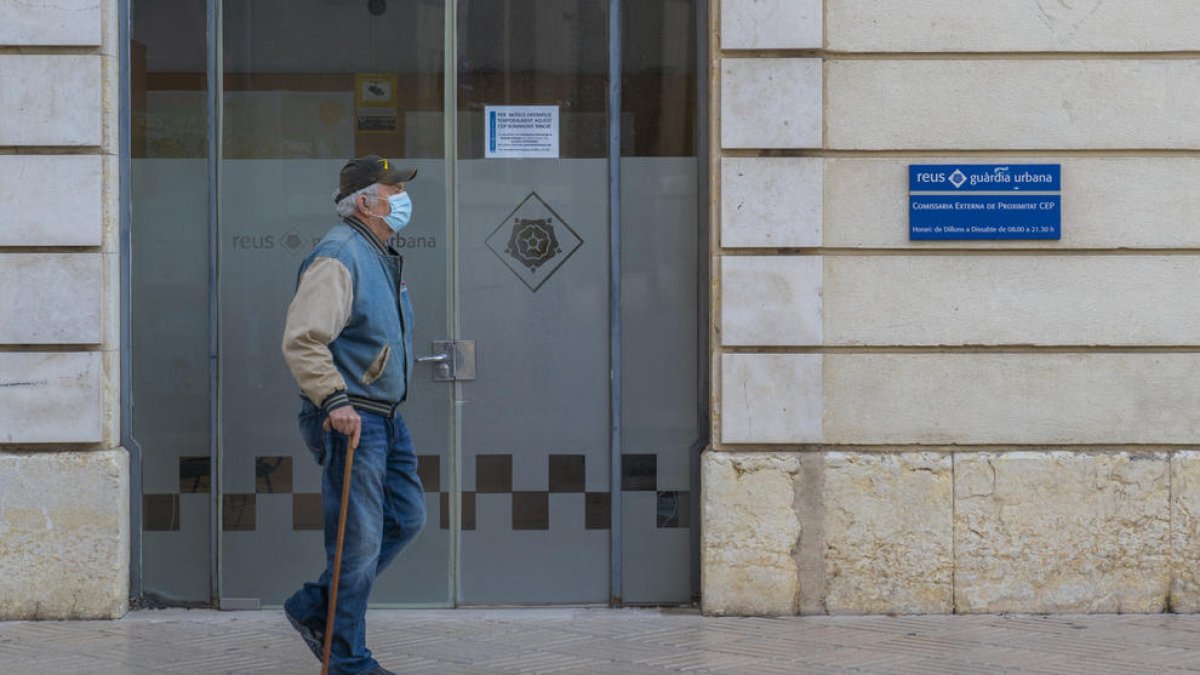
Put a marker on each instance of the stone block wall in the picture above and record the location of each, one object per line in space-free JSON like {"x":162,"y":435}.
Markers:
{"x":935,"y":427}
{"x":64,"y":479}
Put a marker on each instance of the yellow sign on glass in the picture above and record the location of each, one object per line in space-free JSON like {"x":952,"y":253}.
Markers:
{"x":375,"y":103}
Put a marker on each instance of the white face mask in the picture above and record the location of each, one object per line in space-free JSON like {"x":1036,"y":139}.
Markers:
{"x":401,"y":211}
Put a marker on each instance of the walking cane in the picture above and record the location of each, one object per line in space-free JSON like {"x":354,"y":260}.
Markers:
{"x":337,"y":557}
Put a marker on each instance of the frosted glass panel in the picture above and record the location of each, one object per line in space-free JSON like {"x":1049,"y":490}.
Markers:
{"x":296,"y":107}
{"x":170,"y":298}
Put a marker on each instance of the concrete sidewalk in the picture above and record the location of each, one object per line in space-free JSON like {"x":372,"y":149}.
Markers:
{"x":603,"y":641}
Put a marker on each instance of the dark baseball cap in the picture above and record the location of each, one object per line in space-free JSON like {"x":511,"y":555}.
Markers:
{"x":363,"y":171}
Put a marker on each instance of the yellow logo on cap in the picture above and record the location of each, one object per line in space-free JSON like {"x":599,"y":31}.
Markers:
{"x":385,"y":164}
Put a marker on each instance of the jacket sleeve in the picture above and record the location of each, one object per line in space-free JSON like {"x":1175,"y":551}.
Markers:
{"x":315,"y":318}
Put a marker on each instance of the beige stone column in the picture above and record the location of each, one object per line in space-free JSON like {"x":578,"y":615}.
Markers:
{"x":762,"y":533}
{"x":64,"y":479}
{"x":964,"y":426}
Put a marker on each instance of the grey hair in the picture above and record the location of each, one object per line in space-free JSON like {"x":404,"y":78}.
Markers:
{"x":349,"y":204}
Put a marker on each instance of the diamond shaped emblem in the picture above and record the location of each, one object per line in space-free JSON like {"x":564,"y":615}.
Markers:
{"x":533,"y":241}
{"x":958,"y":178}
{"x":292,"y":240}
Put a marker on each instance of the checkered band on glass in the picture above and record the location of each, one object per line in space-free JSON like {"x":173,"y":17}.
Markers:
{"x":494,"y":475}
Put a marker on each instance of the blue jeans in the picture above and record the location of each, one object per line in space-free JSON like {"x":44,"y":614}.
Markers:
{"x":385,"y":512}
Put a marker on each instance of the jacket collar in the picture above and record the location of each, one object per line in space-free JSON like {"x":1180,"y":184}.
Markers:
{"x":361,"y":227}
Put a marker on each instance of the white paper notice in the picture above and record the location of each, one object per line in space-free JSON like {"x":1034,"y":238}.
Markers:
{"x":520,"y":131}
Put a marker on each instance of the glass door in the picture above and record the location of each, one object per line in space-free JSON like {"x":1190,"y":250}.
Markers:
{"x":559,"y":462}
{"x":565,"y":376}
{"x":533,"y":246}
{"x":307,"y":85}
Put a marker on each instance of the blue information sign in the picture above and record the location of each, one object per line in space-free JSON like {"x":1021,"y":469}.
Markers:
{"x":985,"y":217}
{"x":1005,"y":201}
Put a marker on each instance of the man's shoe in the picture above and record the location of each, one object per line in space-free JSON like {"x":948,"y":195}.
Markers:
{"x":314,"y":639}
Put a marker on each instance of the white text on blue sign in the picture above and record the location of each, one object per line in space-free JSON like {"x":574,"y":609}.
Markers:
{"x":1005,"y":201}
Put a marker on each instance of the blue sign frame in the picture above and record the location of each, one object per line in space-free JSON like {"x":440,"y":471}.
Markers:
{"x":949,"y":202}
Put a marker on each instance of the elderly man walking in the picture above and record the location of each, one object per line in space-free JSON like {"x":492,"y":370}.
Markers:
{"x":348,"y":342}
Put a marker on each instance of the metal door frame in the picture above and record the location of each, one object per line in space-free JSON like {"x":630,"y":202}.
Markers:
{"x":454,"y":321}
{"x":616,"y":545}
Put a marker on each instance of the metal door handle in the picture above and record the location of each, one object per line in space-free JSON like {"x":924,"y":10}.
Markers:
{"x":453,"y":360}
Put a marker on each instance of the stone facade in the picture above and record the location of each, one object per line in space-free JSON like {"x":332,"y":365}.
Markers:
{"x":751,"y":532}
{"x":65,"y":550}
{"x":64,"y":479}
{"x":967,"y":426}
{"x":939,"y":531}
{"x":897,"y":426}
{"x":1062,"y":531}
